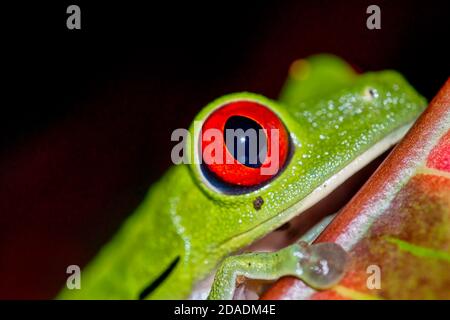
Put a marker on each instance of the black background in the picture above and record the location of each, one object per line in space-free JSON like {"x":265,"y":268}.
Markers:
{"x":86,"y":115}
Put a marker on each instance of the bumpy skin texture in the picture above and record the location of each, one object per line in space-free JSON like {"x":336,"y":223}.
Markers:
{"x":315,"y":77}
{"x":399,"y":221}
{"x":182,"y":216}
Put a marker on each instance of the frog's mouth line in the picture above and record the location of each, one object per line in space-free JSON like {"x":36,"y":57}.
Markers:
{"x":322,"y":202}
{"x":329,"y":197}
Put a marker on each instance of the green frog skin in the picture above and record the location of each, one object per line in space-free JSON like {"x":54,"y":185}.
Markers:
{"x":186,"y":228}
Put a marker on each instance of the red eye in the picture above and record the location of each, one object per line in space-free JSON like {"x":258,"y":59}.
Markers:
{"x":244,"y":143}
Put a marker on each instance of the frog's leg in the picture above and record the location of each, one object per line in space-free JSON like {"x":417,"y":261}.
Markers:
{"x":320,"y":265}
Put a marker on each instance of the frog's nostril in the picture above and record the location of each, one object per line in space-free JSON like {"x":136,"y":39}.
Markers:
{"x":371,"y":93}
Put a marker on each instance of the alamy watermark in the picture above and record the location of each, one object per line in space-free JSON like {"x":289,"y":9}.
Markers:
{"x":74,"y":19}
{"x":374,"y":279}
{"x":73,"y":281}
{"x":374,"y":20}
{"x":252,"y":147}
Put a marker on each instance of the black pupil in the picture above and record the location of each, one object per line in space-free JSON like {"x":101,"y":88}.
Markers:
{"x":246,"y":141}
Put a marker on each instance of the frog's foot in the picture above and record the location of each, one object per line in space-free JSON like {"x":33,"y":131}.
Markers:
{"x":320,"y":265}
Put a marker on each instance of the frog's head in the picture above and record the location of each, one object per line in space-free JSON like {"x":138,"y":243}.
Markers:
{"x":320,"y":144}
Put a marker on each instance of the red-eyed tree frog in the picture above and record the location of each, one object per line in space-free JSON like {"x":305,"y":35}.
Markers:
{"x":331,"y":122}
